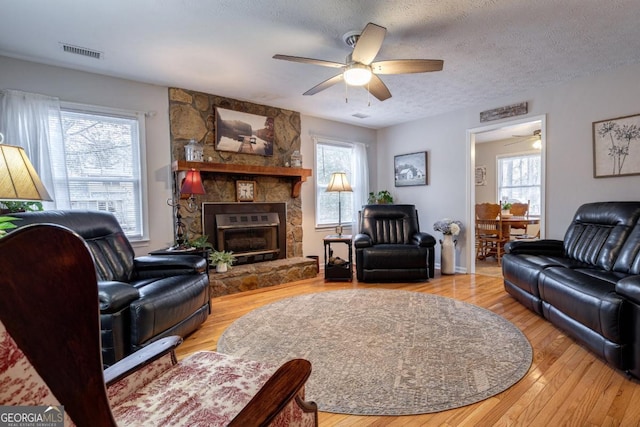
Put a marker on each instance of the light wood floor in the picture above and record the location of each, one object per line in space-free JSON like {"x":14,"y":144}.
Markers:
{"x":566,"y":384}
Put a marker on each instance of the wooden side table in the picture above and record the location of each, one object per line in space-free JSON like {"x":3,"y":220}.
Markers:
{"x":338,"y":269}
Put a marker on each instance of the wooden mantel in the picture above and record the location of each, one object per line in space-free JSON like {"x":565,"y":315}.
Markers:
{"x":297,"y":175}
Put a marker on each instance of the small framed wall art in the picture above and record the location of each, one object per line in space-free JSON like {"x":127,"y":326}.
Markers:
{"x":410,"y":169}
{"x":245,"y":191}
{"x":616,"y":147}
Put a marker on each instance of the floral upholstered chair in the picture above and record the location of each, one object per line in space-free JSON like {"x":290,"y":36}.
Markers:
{"x":50,"y":354}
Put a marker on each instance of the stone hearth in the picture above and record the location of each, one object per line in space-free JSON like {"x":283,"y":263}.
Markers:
{"x":261,"y":275}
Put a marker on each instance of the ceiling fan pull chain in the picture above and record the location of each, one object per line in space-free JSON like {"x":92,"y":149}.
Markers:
{"x":346,"y":92}
{"x":369,"y":94}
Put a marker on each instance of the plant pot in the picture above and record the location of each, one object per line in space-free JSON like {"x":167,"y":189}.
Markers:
{"x":222,"y":267}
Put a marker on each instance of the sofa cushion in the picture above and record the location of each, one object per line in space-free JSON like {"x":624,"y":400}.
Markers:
{"x":599,"y":230}
{"x":586,"y":299}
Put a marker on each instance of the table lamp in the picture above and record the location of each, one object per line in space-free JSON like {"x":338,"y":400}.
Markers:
{"x":338,"y":183}
{"x":18,"y":178}
{"x":192,"y":184}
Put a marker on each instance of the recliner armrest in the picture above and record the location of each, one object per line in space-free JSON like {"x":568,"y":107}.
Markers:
{"x":629,"y":287}
{"x":114,"y":296}
{"x":168,"y":265}
{"x":549,"y":247}
{"x":362,"y":241}
{"x":423,"y":239}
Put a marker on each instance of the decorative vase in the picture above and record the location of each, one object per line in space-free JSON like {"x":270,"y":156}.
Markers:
{"x":221,"y":267}
{"x":447,"y":255}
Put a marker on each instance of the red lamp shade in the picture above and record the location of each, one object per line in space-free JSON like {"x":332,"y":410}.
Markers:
{"x":192,"y":183}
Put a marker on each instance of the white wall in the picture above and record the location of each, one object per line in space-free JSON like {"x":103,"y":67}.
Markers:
{"x":570,"y":110}
{"x":88,"y":88}
{"x":312,"y":238}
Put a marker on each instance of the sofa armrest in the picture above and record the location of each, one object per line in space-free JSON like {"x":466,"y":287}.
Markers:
{"x":280,"y":389}
{"x":423,"y":239}
{"x":549,"y":247}
{"x":147,"y":266}
{"x":362,"y":241}
{"x":114,"y":296}
{"x":629,"y":287}
{"x":142,"y":358}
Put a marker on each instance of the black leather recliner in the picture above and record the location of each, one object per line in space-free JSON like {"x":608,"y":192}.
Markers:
{"x":391,"y":247}
{"x":141,"y":299}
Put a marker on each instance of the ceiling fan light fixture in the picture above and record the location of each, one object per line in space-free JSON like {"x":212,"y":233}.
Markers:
{"x":357,"y":74}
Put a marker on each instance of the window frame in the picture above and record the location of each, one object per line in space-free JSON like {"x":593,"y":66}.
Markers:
{"x":140,"y":153}
{"x":500,"y":158}
{"x":341,"y":144}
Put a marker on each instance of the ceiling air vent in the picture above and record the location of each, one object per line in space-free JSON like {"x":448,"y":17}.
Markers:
{"x":360,"y":115}
{"x":81,"y":51}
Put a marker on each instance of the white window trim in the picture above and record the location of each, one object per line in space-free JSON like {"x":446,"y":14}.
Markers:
{"x":336,"y":143}
{"x":519,"y":154}
{"x":142,"y":152}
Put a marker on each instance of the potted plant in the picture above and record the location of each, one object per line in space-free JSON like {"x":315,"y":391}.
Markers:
{"x":223,"y":260}
{"x":7,"y":224}
{"x":506,"y":208}
{"x":382,"y":197}
{"x":201,"y":242}
{"x":8,"y":206}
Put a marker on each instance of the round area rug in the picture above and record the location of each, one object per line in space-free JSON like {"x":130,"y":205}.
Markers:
{"x":386,"y":352}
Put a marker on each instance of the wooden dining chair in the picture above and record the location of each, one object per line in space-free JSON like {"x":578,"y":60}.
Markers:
{"x":490,"y":236}
{"x":519,"y":210}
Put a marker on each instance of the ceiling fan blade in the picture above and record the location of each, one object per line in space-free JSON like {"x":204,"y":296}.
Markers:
{"x":309,"y":61}
{"x":406,"y":66}
{"x":324,"y":85}
{"x":368,"y":44}
{"x":378,"y":89}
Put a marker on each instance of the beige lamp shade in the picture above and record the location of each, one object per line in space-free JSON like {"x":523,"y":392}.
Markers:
{"x":18,"y":178}
{"x":339,"y":182}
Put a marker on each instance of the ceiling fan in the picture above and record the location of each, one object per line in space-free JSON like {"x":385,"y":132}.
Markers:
{"x":536,"y":136}
{"x":359,"y":68}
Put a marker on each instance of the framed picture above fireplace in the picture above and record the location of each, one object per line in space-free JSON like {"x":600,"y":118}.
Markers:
{"x":245,"y":191}
{"x":244,"y":133}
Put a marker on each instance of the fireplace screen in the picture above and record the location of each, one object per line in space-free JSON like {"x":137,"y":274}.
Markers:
{"x":250,"y":236}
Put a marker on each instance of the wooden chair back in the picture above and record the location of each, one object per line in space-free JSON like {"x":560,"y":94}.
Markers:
{"x":520,"y":209}
{"x":49,"y":307}
{"x":487,"y":210}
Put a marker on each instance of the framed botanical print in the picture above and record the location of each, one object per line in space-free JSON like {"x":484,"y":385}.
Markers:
{"x":245,"y":191}
{"x":616,"y":147}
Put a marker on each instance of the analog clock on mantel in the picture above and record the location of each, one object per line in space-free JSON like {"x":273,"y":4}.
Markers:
{"x":245,"y":191}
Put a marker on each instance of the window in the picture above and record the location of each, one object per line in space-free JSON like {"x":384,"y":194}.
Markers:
{"x":103,"y":163}
{"x":519,"y":179}
{"x":334,"y":157}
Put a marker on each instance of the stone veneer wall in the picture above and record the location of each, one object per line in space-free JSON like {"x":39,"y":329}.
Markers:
{"x":192,"y":116}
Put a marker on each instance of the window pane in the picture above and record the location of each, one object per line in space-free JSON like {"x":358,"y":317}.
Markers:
{"x":329,"y":159}
{"x":103,"y":165}
{"x":520,"y":180}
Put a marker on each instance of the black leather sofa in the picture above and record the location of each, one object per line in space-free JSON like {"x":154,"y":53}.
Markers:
{"x":391,"y":247}
{"x":141,"y":299}
{"x":587,"y":284}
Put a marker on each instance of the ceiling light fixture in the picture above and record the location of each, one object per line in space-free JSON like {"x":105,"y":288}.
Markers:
{"x":357,"y":74}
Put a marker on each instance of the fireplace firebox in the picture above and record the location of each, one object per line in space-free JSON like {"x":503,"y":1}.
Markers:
{"x":254,"y":232}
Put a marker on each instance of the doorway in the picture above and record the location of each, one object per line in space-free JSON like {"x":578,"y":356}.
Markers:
{"x":519,"y":133}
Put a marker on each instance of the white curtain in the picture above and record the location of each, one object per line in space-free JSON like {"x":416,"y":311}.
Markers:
{"x":33,"y":122}
{"x":360,"y":177}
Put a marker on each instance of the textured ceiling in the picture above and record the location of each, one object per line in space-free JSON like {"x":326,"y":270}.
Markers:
{"x":490,"y":48}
